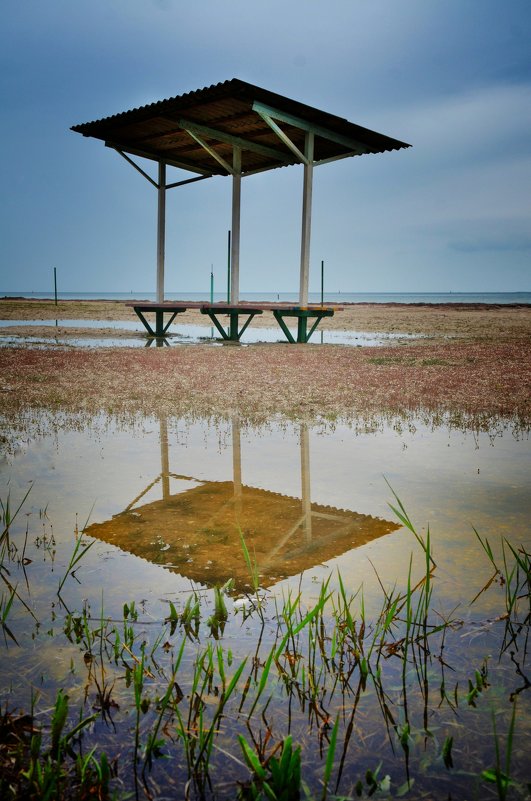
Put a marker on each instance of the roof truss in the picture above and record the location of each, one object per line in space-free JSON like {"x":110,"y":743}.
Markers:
{"x":269,"y":115}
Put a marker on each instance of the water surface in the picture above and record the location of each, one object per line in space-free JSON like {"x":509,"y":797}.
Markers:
{"x":178,"y":335}
{"x":166,"y":501}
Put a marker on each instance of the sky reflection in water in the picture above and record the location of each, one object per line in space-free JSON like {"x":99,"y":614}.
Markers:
{"x":166,"y":498}
{"x":177,"y":335}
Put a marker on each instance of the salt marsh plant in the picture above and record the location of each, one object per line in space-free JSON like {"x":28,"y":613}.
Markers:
{"x":80,"y":550}
{"x":291,"y":701}
{"x":278,"y":779}
{"x":7,"y":516}
{"x":48,"y":774}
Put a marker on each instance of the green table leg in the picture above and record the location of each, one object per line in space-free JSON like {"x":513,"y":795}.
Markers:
{"x":278,"y":317}
{"x":233,"y":327}
{"x":318,"y":319}
{"x":302,"y":324}
{"x":145,"y":323}
{"x":218,"y":325}
{"x":160,"y":328}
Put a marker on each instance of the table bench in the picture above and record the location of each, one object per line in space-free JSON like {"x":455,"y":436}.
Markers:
{"x":303,"y":314}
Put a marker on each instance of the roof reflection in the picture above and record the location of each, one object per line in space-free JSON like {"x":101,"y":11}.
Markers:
{"x":196,"y":531}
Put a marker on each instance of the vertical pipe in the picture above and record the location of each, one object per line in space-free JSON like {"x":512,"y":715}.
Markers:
{"x":55,"y":283}
{"x":161,"y":230}
{"x":322,"y":283}
{"x":228,"y":266}
{"x":236,"y":204}
{"x":211,"y":296}
{"x":305,"y":483}
{"x":164,"y":457}
{"x":237,"y":468}
{"x":306,"y":220}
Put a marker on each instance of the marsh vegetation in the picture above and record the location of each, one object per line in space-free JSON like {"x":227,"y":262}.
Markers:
{"x":332,"y":684}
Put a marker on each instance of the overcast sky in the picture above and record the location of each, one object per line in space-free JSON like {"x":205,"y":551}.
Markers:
{"x":451,"y":77}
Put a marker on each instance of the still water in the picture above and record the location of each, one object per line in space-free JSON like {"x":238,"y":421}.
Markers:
{"x":177,"y":335}
{"x":170,"y":506}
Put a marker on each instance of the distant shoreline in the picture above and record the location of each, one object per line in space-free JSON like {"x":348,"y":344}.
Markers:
{"x":461,"y":304}
{"x":344,"y":298}
{"x":337,"y":300}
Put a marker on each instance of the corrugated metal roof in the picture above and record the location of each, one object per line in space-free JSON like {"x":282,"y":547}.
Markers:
{"x":228,"y":113}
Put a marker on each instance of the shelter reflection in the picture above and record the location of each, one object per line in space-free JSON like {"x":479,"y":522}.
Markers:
{"x":196,"y":531}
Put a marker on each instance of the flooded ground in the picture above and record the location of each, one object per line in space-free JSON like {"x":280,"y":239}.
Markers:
{"x":209,"y":546}
{"x":96,"y":333}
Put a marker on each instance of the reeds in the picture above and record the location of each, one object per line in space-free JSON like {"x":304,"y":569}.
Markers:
{"x":289,"y":712}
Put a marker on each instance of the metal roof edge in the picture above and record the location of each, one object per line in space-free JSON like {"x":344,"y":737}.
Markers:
{"x":251,"y":92}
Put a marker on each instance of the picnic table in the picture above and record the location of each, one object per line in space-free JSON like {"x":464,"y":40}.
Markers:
{"x":308,"y":317}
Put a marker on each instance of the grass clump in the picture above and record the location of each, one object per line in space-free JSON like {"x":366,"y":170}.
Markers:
{"x":317,"y":699}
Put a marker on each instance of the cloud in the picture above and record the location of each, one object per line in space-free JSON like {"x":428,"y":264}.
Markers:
{"x":492,"y":244}
{"x":473,"y":125}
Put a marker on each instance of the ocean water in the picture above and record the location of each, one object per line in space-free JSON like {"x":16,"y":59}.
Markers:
{"x":292,"y":297}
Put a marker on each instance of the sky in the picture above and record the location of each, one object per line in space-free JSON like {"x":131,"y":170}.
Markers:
{"x":450,"y":77}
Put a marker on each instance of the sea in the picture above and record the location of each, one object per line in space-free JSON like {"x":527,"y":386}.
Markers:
{"x":292,"y":297}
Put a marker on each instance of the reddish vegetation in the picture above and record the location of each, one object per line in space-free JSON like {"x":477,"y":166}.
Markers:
{"x":260,"y":381}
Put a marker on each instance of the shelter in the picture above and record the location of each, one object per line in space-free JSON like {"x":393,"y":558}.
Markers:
{"x":238,"y":129}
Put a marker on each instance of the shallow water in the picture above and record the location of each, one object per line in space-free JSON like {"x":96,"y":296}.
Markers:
{"x":165,"y":501}
{"x":178,"y":335}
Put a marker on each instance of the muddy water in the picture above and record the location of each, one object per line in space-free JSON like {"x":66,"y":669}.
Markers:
{"x":165,"y":503}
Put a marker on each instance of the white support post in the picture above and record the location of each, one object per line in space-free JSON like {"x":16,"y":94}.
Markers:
{"x":235,"y":240}
{"x":306,"y":492}
{"x":237,"y":468}
{"x":161,"y":230}
{"x":164,"y":458}
{"x":306,"y":220}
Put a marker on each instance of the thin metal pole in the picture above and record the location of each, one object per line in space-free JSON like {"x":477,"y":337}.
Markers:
{"x":236,"y":204}
{"x":55,"y":283}
{"x":211,"y":283}
{"x":306,"y":220}
{"x":161,"y":230}
{"x":228,"y":267}
{"x":322,"y":283}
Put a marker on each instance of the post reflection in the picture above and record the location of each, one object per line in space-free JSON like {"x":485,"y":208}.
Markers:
{"x":195,"y":528}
